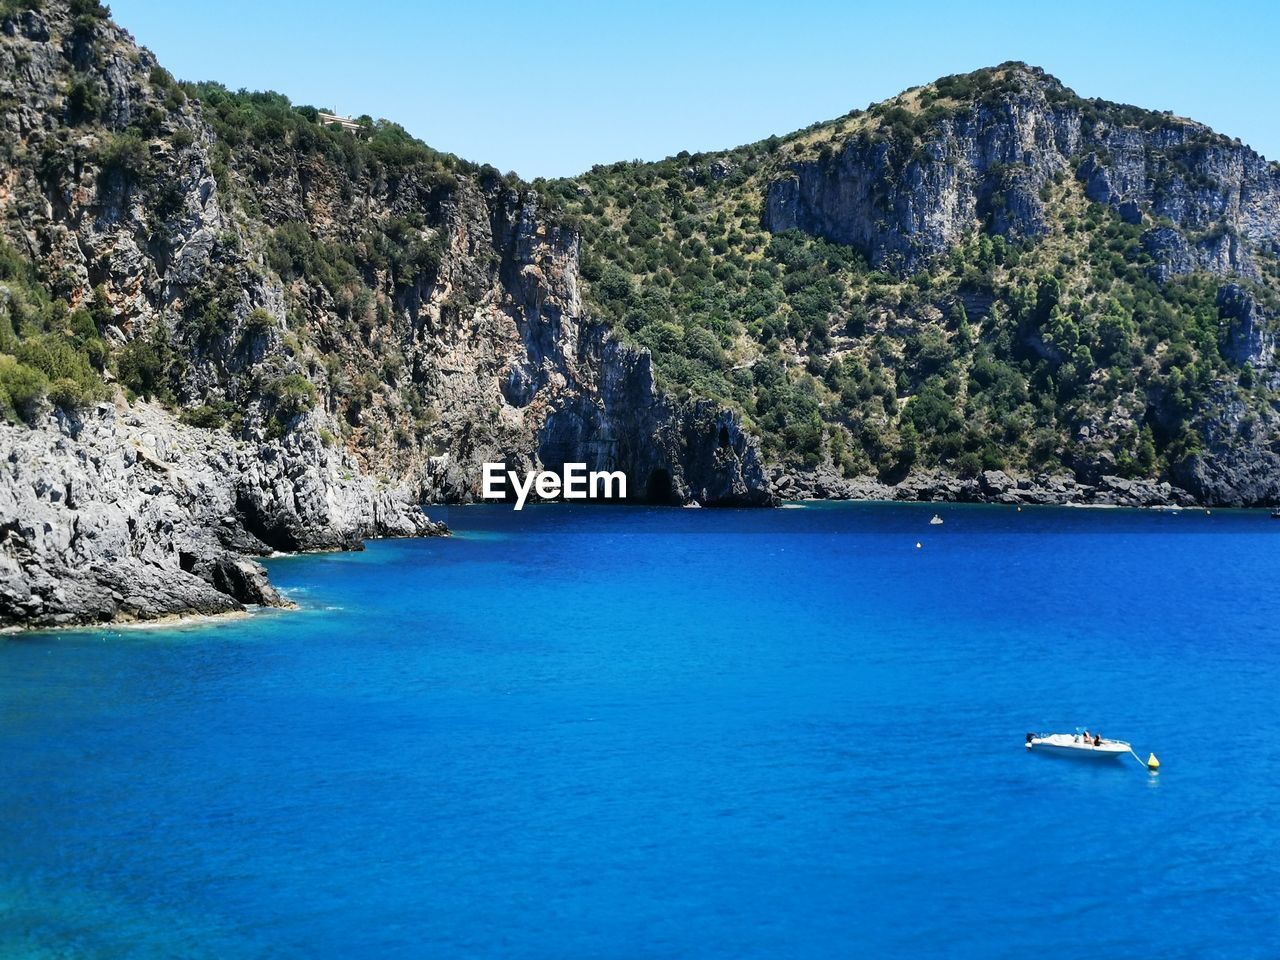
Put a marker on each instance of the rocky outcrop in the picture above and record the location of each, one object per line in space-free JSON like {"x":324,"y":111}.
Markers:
{"x":109,"y":514}
{"x":1238,"y":460}
{"x":913,"y":179}
{"x":1247,"y":335}
{"x":127,"y":515}
{"x":535,"y":382}
{"x":903,"y":206}
{"x":903,"y":201}
{"x":671,"y":452}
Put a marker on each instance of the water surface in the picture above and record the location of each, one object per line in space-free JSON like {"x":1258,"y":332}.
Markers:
{"x":615,"y":732}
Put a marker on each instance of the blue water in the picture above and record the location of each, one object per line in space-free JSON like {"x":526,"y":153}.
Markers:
{"x":595,"y":732}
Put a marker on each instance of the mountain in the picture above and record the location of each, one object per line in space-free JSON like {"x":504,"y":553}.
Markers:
{"x":987,"y":273}
{"x":228,"y":328}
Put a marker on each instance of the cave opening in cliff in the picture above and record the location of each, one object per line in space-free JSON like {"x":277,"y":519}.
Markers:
{"x":659,"y":489}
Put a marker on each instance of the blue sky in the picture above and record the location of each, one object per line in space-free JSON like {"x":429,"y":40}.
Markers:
{"x":550,"y":89}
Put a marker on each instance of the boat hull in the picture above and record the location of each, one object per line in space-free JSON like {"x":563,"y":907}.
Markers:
{"x":1066,"y":746}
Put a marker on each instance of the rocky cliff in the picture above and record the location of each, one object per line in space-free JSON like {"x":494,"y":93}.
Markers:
{"x":985,"y":273}
{"x":1207,"y":202}
{"x":125,"y":514}
{"x":282,"y":312}
{"x":1203,"y":204}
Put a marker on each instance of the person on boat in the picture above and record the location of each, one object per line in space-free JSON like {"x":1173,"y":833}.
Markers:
{"x":1086,"y":737}
{"x":1097,"y":739}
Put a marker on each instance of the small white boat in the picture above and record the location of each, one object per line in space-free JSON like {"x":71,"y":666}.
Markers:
{"x":1083,"y":745}
{"x":936,"y":520}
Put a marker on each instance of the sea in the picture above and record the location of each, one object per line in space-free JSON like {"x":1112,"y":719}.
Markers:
{"x":615,"y":732}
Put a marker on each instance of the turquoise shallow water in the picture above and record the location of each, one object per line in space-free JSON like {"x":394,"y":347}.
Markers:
{"x":594,"y":732}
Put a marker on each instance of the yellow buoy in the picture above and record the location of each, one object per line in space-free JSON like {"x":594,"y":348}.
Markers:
{"x":1152,"y":763}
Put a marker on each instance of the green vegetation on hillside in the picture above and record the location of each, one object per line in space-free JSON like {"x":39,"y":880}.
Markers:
{"x":372,"y":271}
{"x":256,"y":121}
{"x":1029,"y":355}
{"x":48,"y":352}
{"x":1032,"y":355}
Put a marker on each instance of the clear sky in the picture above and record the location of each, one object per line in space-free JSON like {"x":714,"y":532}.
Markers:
{"x":549,"y":89}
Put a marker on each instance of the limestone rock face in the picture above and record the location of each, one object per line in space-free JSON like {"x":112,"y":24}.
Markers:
{"x":902,"y":207}
{"x":1248,"y":336}
{"x":1238,"y":464}
{"x":128,"y":515}
{"x":536,"y":382}
{"x":985,"y":164}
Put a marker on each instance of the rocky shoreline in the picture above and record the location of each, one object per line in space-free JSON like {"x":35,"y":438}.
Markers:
{"x":991,"y":486}
{"x":127,"y":516}
{"x":155,"y":623}
{"x":123,"y":515}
